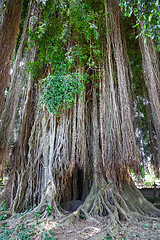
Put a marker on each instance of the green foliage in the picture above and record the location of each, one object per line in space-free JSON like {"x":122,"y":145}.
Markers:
{"x":32,"y":207}
{"x":3,"y":206}
{"x":51,"y":231}
{"x":35,"y":68}
{"x":49,"y":210}
{"x":81,"y":216}
{"x":29,"y":210}
{"x":148,"y":184}
{"x":3,"y":216}
{"x":21,"y":233}
{"x":37,"y":214}
{"x":4,"y":6}
{"x":59,"y":91}
{"x":69,"y":33}
{"x":5,"y":235}
{"x":69,"y":36}
{"x":48,"y":237}
{"x":147,"y":14}
{"x":25,"y":233}
{"x":109,"y":238}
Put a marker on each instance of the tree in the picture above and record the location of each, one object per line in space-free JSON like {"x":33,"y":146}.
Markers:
{"x":8,"y":35}
{"x":8,"y":119}
{"x":147,"y":19}
{"x":83,"y":152}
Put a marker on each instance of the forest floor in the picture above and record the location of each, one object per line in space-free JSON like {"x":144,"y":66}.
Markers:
{"x":88,"y":229}
{"x":49,"y":229}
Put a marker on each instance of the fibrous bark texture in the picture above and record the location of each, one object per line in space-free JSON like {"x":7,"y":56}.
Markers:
{"x":1,"y":11}
{"x":119,"y":123}
{"x":18,"y":80}
{"x":151,"y":69}
{"x":8,"y":35}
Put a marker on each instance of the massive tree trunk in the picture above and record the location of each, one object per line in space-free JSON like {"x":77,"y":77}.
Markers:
{"x":84,"y":154}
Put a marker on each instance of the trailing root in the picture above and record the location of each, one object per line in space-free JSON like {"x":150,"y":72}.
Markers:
{"x":100,"y":202}
{"x":105,"y":199}
{"x":119,"y":204}
{"x":39,"y":213}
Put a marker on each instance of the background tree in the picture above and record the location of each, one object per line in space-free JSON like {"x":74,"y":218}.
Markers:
{"x":8,"y":36}
{"x":147,"y":16}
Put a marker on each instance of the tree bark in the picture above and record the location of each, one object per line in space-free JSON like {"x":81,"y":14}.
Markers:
{"x":1,"y":11}
{"x":8,"y":35}
{"x":151,"y":70}
{"x":12,"y":105}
